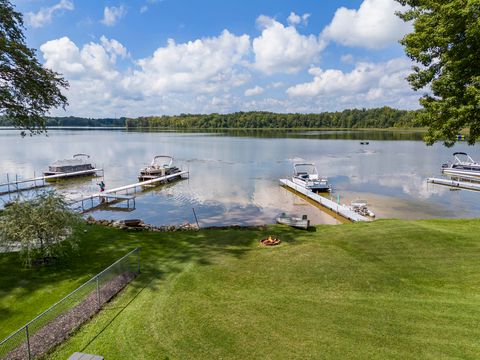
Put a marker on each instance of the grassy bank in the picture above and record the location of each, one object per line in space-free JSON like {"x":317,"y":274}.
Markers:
{"x":387,"y":289}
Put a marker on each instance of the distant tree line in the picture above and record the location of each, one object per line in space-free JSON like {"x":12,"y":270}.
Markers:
{"x":359,"y":118}
{"x":384,"y":117}
{"x":73,"y":121}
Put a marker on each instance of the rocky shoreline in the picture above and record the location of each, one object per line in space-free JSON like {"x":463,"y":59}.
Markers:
{"x":139,"y":225}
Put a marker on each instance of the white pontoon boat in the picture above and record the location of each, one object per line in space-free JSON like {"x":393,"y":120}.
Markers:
{"x":80,"y":162}
{"x":161,"y":165}
{"x":306,"y":175}
{"x":463,"y":165}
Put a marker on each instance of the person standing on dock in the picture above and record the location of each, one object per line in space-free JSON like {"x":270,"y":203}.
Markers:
{"x":102,"y":189}
{"x":102,"y":186}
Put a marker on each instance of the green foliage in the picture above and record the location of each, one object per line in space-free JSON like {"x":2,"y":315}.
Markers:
{"x":446,"y":45}
{"x":388,"y":289}
{"x":357,"y":118}
{"x":27,"y":89}
{"x":42,"y":229}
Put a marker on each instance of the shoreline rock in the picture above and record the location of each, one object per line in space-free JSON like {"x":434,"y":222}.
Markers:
{"x":139,"y":225}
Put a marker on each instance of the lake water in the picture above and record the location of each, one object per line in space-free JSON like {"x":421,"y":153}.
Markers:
{"x":234,"y":175}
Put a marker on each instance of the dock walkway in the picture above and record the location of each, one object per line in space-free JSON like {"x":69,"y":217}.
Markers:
{"x":455,"y":183}
{"x":329,"y":204}
{"x":91,"y":202}
{"x":19,"y":185}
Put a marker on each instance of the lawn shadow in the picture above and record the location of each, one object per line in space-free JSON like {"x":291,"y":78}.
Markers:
{"x":162,"y":254}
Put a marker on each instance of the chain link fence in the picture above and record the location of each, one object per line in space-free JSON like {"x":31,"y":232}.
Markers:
{"x":54,"y":325}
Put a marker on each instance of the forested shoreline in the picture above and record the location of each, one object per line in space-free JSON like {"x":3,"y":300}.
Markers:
{"x":372,"y":118}
{"x":381,"y":118}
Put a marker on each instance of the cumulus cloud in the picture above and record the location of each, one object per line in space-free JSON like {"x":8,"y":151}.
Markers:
{"x":45,"y":15}
{"x":167,"y":80}
{"x":371,"y":83}
{"x":257,"y":90}
{"x":373,"y":25}
{"x":363,"y":77}
{"x":281,"y":49}
{"x":114,"y":47}
{"x":203,"y":65}
{"x":111,"y":15}
{"x":294,"y":19}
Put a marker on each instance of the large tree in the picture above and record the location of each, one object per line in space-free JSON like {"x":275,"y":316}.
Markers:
{"x":27,"y":89}
{"x":445,"y":44}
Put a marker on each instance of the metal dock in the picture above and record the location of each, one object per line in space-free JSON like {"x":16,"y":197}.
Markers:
{"x":455,"y":183}
{"x":110,"y":196}
{"x":327,"y":203}
{"x":18,"y":185}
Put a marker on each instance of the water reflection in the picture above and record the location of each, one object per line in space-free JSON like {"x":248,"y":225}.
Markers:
{"x":234,"y":174}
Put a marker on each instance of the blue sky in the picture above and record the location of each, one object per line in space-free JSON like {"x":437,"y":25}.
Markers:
{"x":153,"y":57}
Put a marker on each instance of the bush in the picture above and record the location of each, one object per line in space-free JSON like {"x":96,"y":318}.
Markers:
{"x":42,"y":229}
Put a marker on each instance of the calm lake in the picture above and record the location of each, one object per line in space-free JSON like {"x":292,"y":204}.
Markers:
{"x":234,"y":175}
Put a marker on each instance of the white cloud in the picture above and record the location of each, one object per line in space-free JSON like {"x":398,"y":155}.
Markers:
{"x":257,"y":90}
{"x":281,"y":49}
{"x":364,"y":77}
{"x":111,"y":15}
{"x":143,"y":9}
{"x":347,"y":58}
{"x":114,"y":47}
{"x":373,"y":25}
{"x":294,"y":19}
{"x":63,"y":55}
{"x":367,"y":85}
{"x":203,"y":65}
{"x":44,"y":16}
{"x":162,"y":83}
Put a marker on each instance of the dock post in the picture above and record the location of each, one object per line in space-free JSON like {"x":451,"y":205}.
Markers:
{"x":196,"y":220}
{"x":16,"y":181}
{"x":8,"y":184}
{"x":34,"y":181}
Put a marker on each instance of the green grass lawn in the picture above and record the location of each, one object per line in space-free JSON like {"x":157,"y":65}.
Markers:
{"x":387,"y":289}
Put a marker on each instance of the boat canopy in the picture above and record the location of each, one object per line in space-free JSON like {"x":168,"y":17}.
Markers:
{"x":305,"y":168}
{"x":77,"y":160}
{"x":162,"y":161}
{"x":81,"y":155}
{"x":470,"y":160}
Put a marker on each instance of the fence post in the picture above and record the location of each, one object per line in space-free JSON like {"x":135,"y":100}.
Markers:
{"x":138,"y":265}
{"x":28,"y":342}
{"x":98,"y":293}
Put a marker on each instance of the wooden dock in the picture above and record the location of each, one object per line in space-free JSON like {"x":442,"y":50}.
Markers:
{"x":455,"y":183}
{"x":341,"y":210}
{"x":19,"y":185}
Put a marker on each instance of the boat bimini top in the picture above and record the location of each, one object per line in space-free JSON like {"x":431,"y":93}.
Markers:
{"x":467,"y":161}
{"x":162,"y":161}
{"x":305,"y":170}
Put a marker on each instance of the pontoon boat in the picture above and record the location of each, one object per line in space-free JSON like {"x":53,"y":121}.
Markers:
{"x":79,"y":163}
{"x":161,"y":165}
{"x":306,"y":175}
{"x":463,"y":165}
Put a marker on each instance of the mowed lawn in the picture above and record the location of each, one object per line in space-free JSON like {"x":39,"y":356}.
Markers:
{"x":387,"y":289}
